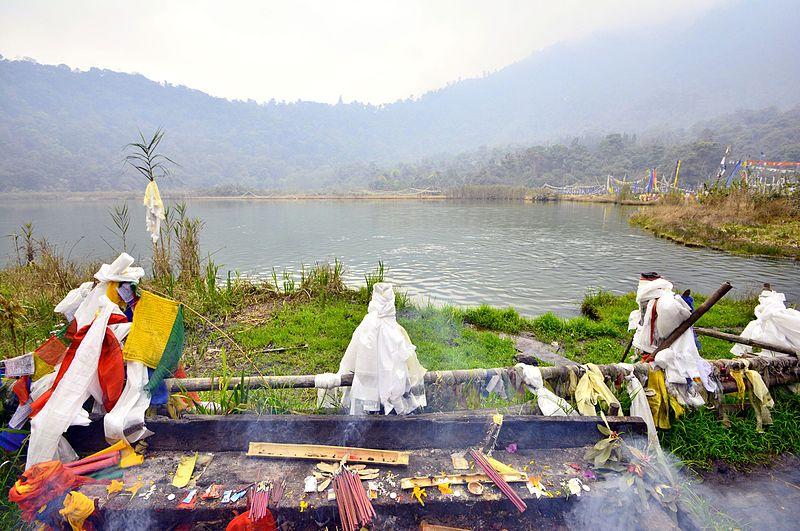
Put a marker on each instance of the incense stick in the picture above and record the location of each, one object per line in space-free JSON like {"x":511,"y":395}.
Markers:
{"x":498,"y":480}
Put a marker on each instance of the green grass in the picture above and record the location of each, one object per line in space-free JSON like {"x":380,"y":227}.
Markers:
{"x":699,"y":439}
{"x":443,"y":342}
{"x":600,"y":334}
{"x":326,"y":325}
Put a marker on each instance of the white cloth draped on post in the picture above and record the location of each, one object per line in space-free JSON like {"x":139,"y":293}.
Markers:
{"x":660,"y":312}
{"x":549,"y":403}
{"x":640,"y":407}
{"x":130,"y":408}
{"x":155,"y":210}
{"x":383,"y":361}
{"x":774,"y":323}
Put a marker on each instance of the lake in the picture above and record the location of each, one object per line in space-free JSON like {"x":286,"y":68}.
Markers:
{"x":536,"y":258}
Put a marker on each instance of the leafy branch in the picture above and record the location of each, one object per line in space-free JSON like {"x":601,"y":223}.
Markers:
{"x":146,"y":159}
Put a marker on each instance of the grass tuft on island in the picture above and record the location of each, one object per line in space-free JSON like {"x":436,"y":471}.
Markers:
{"x":739,"y":220}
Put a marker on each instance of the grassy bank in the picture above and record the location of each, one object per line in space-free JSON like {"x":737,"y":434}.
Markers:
{"x":737,"y":220}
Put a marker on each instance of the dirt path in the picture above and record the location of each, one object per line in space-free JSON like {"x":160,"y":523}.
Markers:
{"x":530,"y":349}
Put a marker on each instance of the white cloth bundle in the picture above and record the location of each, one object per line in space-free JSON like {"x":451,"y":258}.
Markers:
{"x":73,"y":300}
{"x":671,"y":310}
{"x":774,"y":323}
{"x":551,"y":404}
{"x":119,"y":270}
{"x":383,"y":361}
{"x":72,"y":391}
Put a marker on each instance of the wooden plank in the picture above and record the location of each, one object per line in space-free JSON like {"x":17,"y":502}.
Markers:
{"x":424,"y":526}
{"x":327,"y":453}
{"x":456,"y":479}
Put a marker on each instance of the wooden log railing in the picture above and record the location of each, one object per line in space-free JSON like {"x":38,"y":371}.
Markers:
{"x":776,"y":371}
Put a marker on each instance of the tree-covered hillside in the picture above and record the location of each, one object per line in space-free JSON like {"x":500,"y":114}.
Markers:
{"x":62,"y":129}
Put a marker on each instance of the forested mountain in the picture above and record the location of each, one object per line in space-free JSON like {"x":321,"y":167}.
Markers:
{"x":64,"y":130}
{"x":589,"y":159}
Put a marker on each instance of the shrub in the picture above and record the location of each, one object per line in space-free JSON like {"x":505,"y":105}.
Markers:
{"x":498,"y":319}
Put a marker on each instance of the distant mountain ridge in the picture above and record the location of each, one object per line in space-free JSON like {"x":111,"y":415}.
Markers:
{"x":64,"y":130}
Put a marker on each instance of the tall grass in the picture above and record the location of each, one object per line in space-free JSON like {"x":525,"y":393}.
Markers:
{"x":374,"y":277}
{"x":187,"y":238}
{"x":489,"y":192}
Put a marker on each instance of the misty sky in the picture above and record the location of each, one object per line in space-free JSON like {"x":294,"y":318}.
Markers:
{"x":372,"y":51}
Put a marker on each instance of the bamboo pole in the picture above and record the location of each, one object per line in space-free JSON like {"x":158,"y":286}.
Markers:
{"x":695,"y":315}
{"x":744,"y":341}
{"x":788,"y":365}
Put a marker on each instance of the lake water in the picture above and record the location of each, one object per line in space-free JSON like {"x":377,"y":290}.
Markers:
{"x":537,"y":258}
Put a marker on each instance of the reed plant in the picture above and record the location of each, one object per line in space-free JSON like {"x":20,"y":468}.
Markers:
{"x":323,"y":279}
{"x":121,"y":222}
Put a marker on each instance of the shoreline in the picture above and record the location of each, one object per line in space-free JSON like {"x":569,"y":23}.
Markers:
{"x":134,"y":195}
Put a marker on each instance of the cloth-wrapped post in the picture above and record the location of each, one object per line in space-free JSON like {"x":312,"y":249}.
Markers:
{"x":383,"y":361}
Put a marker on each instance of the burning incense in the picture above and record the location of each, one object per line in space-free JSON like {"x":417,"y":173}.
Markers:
{"x":498,"y":480}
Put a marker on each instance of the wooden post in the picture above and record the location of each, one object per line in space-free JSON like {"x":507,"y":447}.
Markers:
{"x":697,"y":314}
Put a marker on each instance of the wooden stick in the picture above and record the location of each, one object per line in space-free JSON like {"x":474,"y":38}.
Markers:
{"x":327,"y":453}
{"x":744,"y":341}
{"x":627,"y":350}
{"x":456,"y":479}
{"x":695,"y":315}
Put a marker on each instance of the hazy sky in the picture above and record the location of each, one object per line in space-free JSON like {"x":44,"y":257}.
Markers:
{"x":372,"y":51}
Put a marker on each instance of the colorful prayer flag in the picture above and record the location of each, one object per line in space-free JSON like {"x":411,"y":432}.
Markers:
{"x":156,"y":336}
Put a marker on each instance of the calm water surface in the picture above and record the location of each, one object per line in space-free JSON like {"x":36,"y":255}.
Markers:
{"x":537,"y":258}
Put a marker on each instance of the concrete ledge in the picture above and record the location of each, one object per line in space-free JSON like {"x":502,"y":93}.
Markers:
{"x":233,"y":433}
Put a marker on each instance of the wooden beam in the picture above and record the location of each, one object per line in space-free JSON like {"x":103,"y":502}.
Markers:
{"x":744,"y":341}
{"x":321,"y":452}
